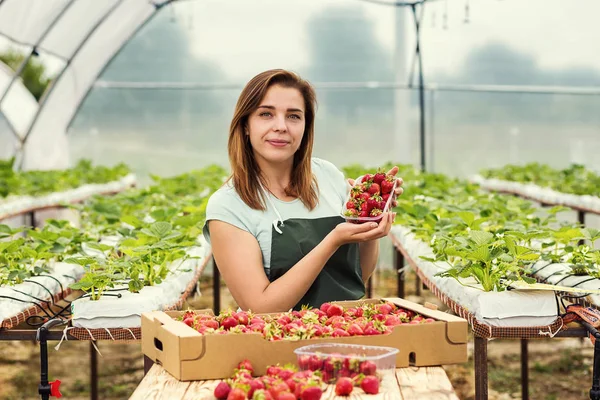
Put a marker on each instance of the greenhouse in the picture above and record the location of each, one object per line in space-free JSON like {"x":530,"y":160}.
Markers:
{"x":299,"y":199}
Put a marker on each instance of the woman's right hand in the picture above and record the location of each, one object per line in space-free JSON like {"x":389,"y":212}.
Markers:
{"x":347,"y":232}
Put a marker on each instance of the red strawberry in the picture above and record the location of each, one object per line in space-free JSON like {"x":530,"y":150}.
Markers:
{"x":366,"y":178}
{"x":304,"y":362}
{"x":375,"y":212}
{"x":364,"y":196}
{"x":373,"y":189}
{"x":222,"y":390}
{"x":189,"y":321}
{"x":229,"y":323}
{"x":352,"y":213}
{"x":365,"y":206}
{"x":385,"y":197}
{"x":311,"y":393}
{"x":392,"y":320}
{"x":339,"y":332}
{"x":387,"y":185}
{"x":255,"y":384}
{"x":335,"y":309}
{"x":370,"y":331}
{"x":315,"y":363}
{"x":355,"y":330}
{"x":324,"y":307}
{"x":273,"y":370}
{"x":429,"y":320}
{"x":286,"y":396}
{"x":236,"y":394}
{"x":285,"y":374}
{"x":372,"y":203}
{"x":364,"y":214}
{"x":350,"y":205}
{"x":343,"y":387}
{"x":262,"y":395}
{"x":278,"y":388}
{"x":379,"y":177}
{"x":246,"y":365}
{"x":370,"y":384}
{"x":242,"y":317}
{"x":210,"y":323}
{"x":368,"y":368}
{"x":292,"y":384}
{"x":257,"y":320}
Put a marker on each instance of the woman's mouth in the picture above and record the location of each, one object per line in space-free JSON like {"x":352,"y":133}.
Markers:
{"x":277,"y":143}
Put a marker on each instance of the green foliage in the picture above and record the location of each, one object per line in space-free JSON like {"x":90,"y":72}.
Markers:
{"x":33,"y":75}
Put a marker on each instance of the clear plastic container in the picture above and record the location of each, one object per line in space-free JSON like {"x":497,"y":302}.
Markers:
{"x":336,"y":360}
{"x":360,"y":220}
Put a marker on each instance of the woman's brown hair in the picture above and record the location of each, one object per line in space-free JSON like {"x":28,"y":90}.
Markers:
{"x":246,"y":175}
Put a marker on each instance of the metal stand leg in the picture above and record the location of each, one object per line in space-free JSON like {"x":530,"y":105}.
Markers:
{"x":399,"y":264}
{"x":370,"y":287}
{"x":93,"y":372}
{"x":524,"y":370}
{"x":419,"y":284}
{"x":481,"y":370}
{"x":216,"y":289}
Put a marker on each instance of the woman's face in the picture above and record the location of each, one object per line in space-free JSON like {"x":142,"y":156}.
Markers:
{"x":276,"y":127}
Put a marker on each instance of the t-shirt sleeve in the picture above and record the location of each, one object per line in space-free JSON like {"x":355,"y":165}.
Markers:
{"x":335,"y":177}
{"x":226,"y":206}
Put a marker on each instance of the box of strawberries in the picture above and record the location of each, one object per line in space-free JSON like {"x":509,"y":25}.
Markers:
{"x":197,"y":345}
{"x":371,"y":196}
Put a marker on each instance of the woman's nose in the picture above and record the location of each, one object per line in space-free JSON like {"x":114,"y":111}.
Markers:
{"x":280,"y":124}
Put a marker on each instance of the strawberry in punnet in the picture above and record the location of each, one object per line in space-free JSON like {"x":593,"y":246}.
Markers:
{"x":367,"y":368}
{"x":350,"y":205}
{"x":373,"y":189}
{"x":229,"y":322}
{"x":355,"y":330}
{"x":242,"y":317}
{"x":277,"y":388}
{"x":379,"y":177}
{"x":339,"y":333}
{"x":376,"y":212}
{"x":370,"y":384}
{"x":387,"y":185}
{"x":315,"y":363}
{"x":343,"y":387}
{"x":364,"y":196}
{"x":367,"y":177}
{"x":222,"y":390}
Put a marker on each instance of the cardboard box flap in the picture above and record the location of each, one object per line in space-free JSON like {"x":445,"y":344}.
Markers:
{"x":456,"y":328}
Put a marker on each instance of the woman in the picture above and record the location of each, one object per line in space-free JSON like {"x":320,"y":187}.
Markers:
{"x":275,"y":226}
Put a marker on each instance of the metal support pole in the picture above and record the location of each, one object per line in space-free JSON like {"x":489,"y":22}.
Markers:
{"x":216,"y":289}
{"x":370,"y":287}
{"x":93,"y":372}
{"x":421,"y":86}
{"x":419,"y":284}
{"x":399,"y":264}
{"x":524,"y":370}
{"x":481,"y":370}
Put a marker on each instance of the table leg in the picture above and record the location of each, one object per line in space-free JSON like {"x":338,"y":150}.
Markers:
{"x":481,"y":368}
{"x":93,"y":372}
{"x":148,"y":363}
{"x":524,"y":370}
{"x":399,"y":264}
{"x":216,"y":289}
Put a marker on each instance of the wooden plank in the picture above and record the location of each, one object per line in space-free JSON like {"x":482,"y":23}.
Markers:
{"x":158,"y":384}
{"x":425,"y":383}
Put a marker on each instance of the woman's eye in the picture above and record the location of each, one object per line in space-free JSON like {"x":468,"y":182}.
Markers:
{"x":264,"y":114}
{"x":295,"y":116}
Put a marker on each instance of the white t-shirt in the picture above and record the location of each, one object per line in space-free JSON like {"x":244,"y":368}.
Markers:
{"x":227,"y":206}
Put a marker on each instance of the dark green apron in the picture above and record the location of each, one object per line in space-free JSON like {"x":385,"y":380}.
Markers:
{"x":340,"y":279}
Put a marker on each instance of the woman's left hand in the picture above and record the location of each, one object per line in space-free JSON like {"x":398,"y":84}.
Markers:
{"x":397,"y":192}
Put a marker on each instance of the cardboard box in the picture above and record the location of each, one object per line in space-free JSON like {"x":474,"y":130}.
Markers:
{"x":188,"y":355}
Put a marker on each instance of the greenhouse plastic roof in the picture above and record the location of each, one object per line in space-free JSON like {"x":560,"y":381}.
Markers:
{"x":86,"y":35}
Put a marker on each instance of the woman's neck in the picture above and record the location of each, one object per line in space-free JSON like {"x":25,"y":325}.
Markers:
{"x":277,"y":177}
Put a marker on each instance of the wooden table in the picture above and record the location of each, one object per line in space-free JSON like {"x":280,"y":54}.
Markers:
{"x":426,"y":383}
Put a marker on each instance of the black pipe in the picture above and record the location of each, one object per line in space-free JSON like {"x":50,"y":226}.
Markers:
{"x":45,"y":387}
{"x":421,"y":88}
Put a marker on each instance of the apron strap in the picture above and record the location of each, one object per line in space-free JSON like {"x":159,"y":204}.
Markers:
{"x":279,"y":219}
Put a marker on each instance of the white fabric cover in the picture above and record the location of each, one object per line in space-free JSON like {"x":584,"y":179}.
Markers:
{"x":19,"y":106}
